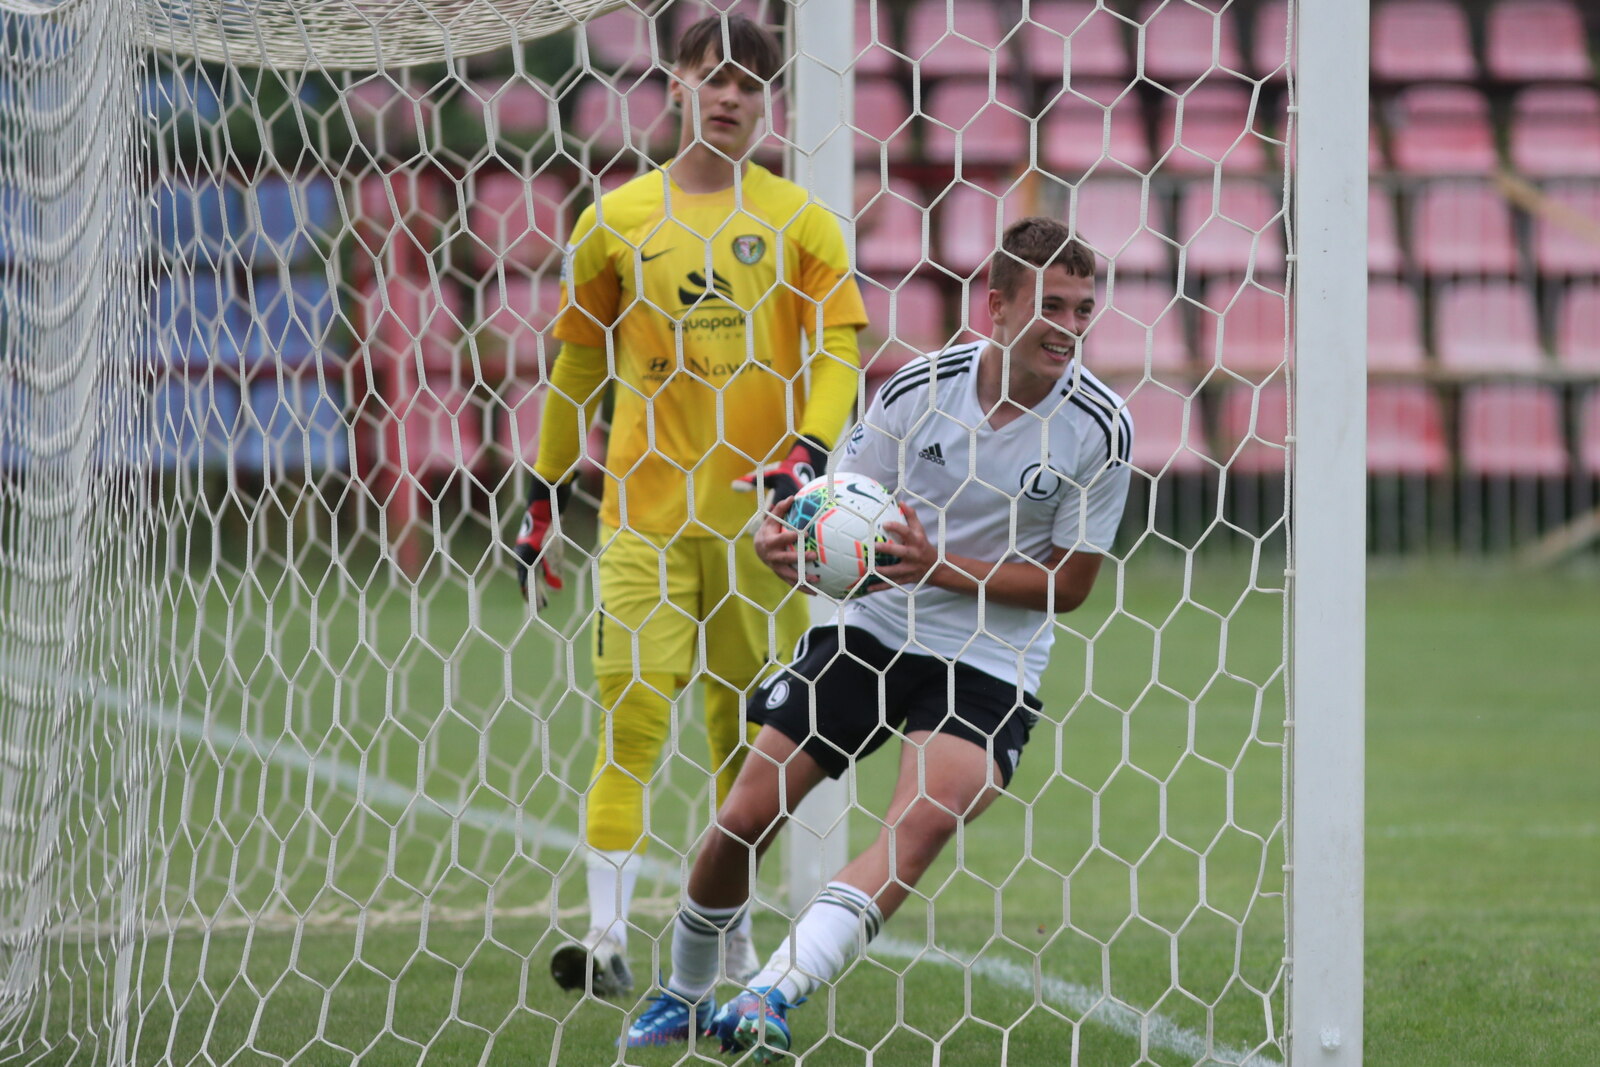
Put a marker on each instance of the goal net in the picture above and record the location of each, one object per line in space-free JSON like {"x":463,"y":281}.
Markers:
{"x":289,"y":772}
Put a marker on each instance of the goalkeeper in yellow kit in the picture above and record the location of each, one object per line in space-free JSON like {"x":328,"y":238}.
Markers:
{"x":701,"y":294}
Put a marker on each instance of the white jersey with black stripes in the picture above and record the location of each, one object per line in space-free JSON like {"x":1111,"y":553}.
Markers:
{"x":1057,"y":476}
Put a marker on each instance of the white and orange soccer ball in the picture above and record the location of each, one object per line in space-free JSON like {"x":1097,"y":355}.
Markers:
{"x":840,"y":517}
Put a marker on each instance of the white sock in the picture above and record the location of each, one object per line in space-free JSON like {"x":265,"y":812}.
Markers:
{"x":697,"y":946}
{"x":611,"y":877}
{"x":837,"y":927}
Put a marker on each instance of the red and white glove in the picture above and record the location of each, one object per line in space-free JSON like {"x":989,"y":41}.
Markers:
{"x":805,"y":461}
{"x":538,"y":553}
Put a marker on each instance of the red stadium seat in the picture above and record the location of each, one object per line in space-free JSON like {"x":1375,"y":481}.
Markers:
{"x":963,"y":40}
{"x":412,"y":327}
{"x":1168,"y":430}
{"x":1394,"y":327}
{"x":1383,"y":233}
{"x":1442,"y":129}
{"x":512,"y":323}
{"x":891,"y":230}
{"x":1578,"y":328}
{"x":628,"y":117}
{"x":1536,"y":40}
{"x":1589,"y":432}
{"x":516,"y":220}
{"x":882,"y":121}
{"x":511,"y":106}
{"x":441,"y":429}
{"x":905,"y":323}
{"x":1243,"y":330}
{"x":1232,"y":228}
{"x":1419,"y":40}
{"x":1254,"y":429}
{"x":1270,"y":40}
{"x":1122,"y":221}
{"x":1183,"y":42}
{"x":1462,"y":228}
{"x":875,"y":48}
{"x":1094,"y":127}
{"x":622,"y":40}
{"x":1137,"y":330}
{"x":1405,"y":430}
{"x":1566,"y":238}
{"x":1076,"y":36}
{"x":1220,"y":124}
{"x":1483,"y":327}
{"x":966,"y":121}
{"x":1555,"y":130}
{"x":971,"y":221}
{"x":1512,"y":431}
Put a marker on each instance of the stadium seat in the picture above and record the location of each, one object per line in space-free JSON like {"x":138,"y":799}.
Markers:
{"x":1383,"y":233}
{"x":626,"y":119}
{"x":1220,"y":125}
{"x":1536,"y":40}
{"x":186,"y":98}
{"x":515,"y":220}
{"x":294,"y":426}
{"x":890,"y":230}
{"x":882,"y":121}
{"x":1168,"y":430}
{"x":390,"y":113}
{"x":1441,"y":129}
{"x":1269,"y":40}
{"x":198,"y":224}
{"x":289,"y":221}
{"x":1075,"y":36}
{"x":197,"y":321}
{"x":966,"y":121}
{"x":1421,"y":40}
{"x":1512,"y":431}
{"x":386,"y":202}
{"x":194,"y":420}
{"x":1394,"y":328}
{"x":622,"y":40}
{"x":1555,"y":130}
{"x":1589,"y":432}
{"x":292,"y":320}
{"x":970,"y":222}
{"x":511,"y":325}
{"x":875,"y":45}
{"x":1124,"y":224}
{"x":1462,"y":227}
{"x":962,"y":40}
{"x":1182,"y":42}
{"x":1137,"y":330}
{"x":904,"y":323}
{"x":411,"y":327}
{"x":1566,"y":238}
{"x":1487,"y":326}
{"x":1243,"y":330}
{"x":1254,"y":427}
{"x":1405,"y":430}
{"x":440,"y":429}
{"x":1578,"y":327}
{"x":512,"y":107}
{"x":1232,"y":228}
{"x":1075,"y":136}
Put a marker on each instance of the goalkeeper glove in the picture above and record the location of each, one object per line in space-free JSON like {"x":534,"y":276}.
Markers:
{"x":783,"y":479}
{"x":537,"y":557}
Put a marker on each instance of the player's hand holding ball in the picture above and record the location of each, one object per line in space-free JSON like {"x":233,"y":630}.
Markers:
{"x":783,"y":479}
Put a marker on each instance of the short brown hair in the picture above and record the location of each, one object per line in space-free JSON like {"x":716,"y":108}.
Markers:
{"x":1036,"y":243}
{"x":753,"y":46}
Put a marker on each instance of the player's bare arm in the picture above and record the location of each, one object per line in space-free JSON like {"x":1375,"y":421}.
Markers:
{"x":1061,"y":583}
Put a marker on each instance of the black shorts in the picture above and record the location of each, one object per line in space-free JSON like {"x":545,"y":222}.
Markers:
{"x":839,"y":705}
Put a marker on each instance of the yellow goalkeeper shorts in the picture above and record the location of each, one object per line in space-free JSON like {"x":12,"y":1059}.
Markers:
{"x":657,"y":592}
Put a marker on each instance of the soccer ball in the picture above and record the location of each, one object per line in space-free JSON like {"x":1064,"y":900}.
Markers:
{"x":840,"y":517}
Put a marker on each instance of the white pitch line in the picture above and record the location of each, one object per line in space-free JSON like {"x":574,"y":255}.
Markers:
{"x":1091,"y":1004}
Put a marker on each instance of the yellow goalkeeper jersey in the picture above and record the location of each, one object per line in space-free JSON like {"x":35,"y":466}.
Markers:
{"x":704,"y":300}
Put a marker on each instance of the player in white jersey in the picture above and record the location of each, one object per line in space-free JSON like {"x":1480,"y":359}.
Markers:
{"x":1019,"y":457}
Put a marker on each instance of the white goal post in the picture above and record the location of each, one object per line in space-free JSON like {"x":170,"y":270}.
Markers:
{"x":286,"y":768}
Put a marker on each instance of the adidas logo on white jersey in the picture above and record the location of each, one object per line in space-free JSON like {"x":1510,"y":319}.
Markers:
{"x":933,"y":453}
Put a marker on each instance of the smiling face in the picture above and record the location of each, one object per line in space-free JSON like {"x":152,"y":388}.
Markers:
{"x":728,"y":100}
{"x":1041,"y":329}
